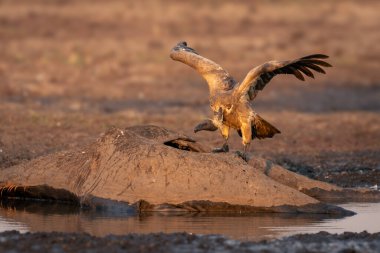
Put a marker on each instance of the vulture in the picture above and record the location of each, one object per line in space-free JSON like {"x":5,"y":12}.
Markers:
{"x":231,"y":102}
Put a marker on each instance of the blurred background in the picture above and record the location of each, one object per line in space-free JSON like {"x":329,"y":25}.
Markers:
{"x":70,"y":69}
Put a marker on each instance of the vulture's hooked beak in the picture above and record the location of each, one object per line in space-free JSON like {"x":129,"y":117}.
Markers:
{"x":207,"y":125}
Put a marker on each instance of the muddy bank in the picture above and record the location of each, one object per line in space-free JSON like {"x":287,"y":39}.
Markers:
{"x":352,"y":169}
{"x":183,"y":242}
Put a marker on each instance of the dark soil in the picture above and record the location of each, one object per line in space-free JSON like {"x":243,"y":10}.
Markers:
{"x":183,"y":242}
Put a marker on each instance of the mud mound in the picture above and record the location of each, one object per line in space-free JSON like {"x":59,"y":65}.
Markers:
{"x":155,"y":169}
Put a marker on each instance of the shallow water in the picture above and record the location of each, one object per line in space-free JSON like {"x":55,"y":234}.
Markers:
{"x":48,"y":217}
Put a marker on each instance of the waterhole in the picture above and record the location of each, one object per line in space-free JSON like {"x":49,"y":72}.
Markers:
{"x":53,"y":217}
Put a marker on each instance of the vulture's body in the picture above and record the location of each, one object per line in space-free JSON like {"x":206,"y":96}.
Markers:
{"x":231,"y":101}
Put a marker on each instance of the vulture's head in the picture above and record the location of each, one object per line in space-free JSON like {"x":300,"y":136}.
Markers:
{"x":182,"y":46}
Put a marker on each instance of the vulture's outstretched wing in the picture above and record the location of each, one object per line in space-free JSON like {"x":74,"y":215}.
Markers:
{"x":257,"y":78}
{"x":216,"y":77}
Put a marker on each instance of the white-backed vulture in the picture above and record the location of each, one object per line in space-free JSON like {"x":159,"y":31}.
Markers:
{"x":230,"y":101}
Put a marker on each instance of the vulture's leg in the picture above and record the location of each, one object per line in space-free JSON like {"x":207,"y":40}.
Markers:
{"x":225,"y":130}
{"x":246,"y":131}
{"x":207,"y":125}
{"x":245,"y":153}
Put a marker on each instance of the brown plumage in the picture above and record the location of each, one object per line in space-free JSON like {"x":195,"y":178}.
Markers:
{"x":231,"y":101}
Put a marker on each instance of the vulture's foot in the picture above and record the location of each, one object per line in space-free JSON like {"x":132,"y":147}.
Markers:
{"x":223,"y":149}
{"x":243,"y":155}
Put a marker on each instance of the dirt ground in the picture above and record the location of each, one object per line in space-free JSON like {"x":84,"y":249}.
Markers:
{"x":71,"y":69}
{"x":183,"y":242}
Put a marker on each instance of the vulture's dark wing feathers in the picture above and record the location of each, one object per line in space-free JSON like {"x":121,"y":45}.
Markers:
{"x":258,"y":77}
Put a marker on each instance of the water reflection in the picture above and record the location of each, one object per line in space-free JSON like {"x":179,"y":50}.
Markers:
{"x":52,"y":217}
{"x":368,"y":215}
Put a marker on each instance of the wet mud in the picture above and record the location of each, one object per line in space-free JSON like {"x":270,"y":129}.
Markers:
{"x":183,"y":242}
